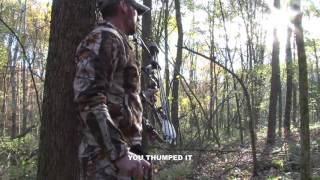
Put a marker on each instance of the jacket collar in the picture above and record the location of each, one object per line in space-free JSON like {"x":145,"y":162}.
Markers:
{"x":110,"y":25}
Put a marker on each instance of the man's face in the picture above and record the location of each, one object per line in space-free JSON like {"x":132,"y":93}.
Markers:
{"x":131,"y":19}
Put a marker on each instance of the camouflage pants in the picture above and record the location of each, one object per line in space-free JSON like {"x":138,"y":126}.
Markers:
{"x":95,"y":164}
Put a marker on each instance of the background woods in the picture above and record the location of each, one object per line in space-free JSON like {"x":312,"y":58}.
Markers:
{"x":242,"y":80}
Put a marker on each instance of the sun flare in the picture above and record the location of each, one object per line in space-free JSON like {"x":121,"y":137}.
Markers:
{"x":280,"y":20}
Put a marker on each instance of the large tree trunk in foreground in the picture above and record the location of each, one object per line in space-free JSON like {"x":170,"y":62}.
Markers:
{"x":59,"y":136}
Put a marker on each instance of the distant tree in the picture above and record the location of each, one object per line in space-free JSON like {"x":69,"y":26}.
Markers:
{"x":275,"y":84}
{"x":166,"y":48}
{"x":288,"y":106}
{"x":147,"y":37}
{"x":177,"y":66}
{"x":303,"y":97}
{"x":318,"y":78}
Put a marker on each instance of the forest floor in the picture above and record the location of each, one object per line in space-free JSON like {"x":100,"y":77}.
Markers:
{"x":235,"y":162}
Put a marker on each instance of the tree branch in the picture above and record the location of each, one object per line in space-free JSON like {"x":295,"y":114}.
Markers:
{"x":246,"y":93}
{"x":26,"y":60}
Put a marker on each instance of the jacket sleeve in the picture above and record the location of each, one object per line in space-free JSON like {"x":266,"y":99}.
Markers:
{"x":105,"y":132}
{"x":112,"y":55}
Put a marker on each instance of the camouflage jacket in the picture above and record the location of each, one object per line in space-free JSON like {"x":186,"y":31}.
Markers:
{"x":107,"y":73}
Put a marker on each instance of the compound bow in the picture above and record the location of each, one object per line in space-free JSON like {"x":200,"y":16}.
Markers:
{"x":153,"y":72}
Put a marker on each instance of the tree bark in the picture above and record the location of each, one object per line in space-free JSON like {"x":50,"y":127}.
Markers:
{"x":59,"y":137}
{"x":280,"y":126}
{"x":5,"y":89}
{"x":13,"y":83}
{"x":274,"y":93}
{"x":239,"y":117}
{"x":318,"y":79}
{"x":166,"y":48}
{"x":295,"y":104}
{"x":288,"y":106}
{"x":147,"y":37}
{"x":24,"y":98}
{"x":24,"y":79}
{"x":211,"y":13}
{"x":177,"y":66}
{"x":275,"y":78}
{"x":303,"y":97}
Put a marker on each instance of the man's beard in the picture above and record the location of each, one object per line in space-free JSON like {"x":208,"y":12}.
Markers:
{"x":132,"y":26}
{"x":132,"y":29}
{"x":132,"y":32}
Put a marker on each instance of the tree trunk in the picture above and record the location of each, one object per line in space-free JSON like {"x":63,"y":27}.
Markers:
{"x":238,"y":108}
{"x":24,"y":98}
{"x":166,"y":48}
{"x":318,"y":79}
{"x":211,"y":105}
{"x":295,"y":104}
{"x":280,"y":108}
{"x":24,"y":80}
{"x":4,"y":103}
{"x":274,"y":94}
{"x":147,"y":37}
{"x":13,"y":83}
{"x":228,"y":108}
{"x":238,"y":111}
{"x":212,"y":66}
{"x":177,"y":66}
{"x":215,"y":118}
{"x":3,"y":99}
{"x":59,"y":136}
{"x":18,"y":79}
{"x":216,"y":123}
{"x":303,"y":97}
{"x":288,"y":106}
{"x":275,"y":78}
{"x":249,"y":110}
{"x":8,"y":68}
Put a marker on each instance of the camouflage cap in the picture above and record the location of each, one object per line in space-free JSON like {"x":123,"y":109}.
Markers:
{"x":141,"y":9}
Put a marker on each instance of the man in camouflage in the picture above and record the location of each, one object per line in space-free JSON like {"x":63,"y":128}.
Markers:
{"x":107,"y":87}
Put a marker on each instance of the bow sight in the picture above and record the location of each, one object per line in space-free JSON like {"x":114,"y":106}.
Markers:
{"x":153,"y":72}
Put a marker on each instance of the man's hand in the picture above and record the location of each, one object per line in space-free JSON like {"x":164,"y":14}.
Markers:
{"x":133,"y":168}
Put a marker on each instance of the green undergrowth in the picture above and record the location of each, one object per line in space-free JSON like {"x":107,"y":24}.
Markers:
{"x":18,"y":158}
{"x":221,"y":164}
{"x":180,"y":170}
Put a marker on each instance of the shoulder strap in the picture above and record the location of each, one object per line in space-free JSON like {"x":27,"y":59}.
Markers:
{"x":117,"y":34}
